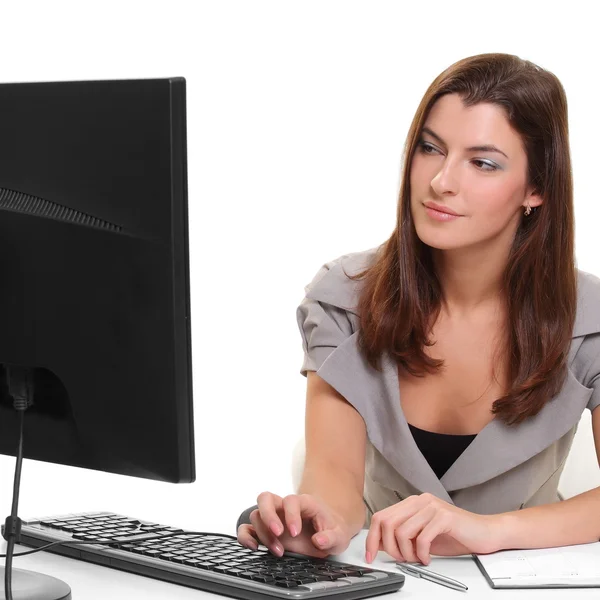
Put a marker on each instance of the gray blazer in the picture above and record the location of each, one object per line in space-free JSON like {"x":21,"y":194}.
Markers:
{"x":504,"y":468}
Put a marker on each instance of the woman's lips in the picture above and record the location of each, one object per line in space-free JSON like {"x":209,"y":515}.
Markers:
{"x":438,"y":215}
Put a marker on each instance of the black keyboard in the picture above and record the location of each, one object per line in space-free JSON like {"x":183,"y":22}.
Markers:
{"x":211,"y":562}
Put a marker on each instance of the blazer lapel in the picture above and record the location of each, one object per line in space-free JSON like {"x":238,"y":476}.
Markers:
{"x":499,"y":448}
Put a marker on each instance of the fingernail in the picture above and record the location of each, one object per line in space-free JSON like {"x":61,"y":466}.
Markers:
{"x":321,"y":540}
{"x":276,"y":529}
{"x":278,"y":549}
{"x":368,"y":557}
{"x":253,"y":545}
{"x":293,"y":530}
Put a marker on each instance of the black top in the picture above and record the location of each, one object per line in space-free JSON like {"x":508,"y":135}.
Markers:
{"x":440,"y":449}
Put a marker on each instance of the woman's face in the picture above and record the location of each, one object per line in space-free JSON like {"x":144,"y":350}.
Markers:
{"x":487,"y":188}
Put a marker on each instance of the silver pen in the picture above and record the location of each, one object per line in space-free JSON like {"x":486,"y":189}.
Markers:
{"x":423,"y":573}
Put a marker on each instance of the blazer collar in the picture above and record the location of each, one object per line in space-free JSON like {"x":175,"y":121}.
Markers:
{"x":497,"y":448}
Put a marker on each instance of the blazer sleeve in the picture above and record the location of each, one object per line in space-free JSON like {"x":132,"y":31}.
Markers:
{"x":592,"y":379}
{"x":595,"y":397}
{"x":323,"y":327}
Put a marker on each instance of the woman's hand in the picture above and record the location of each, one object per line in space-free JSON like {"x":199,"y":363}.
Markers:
{"x":421,"y":525}
{"x":296,"y":523}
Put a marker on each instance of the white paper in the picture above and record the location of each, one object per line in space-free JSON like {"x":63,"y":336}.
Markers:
{"x":566,"y":565}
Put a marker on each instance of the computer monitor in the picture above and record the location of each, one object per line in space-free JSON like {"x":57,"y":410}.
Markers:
{"x":94,"y":274}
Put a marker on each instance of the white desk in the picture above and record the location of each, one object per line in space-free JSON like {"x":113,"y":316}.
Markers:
{"x":91,"y":582}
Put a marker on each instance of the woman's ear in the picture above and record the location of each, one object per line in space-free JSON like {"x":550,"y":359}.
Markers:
{"x":532,"y":199}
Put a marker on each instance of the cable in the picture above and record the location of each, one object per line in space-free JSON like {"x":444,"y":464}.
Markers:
{"x":19,"y":466}
{"x":81,"y":542}
{"x":12,"y":527}
{"x":8,"y":569}
{"x":20,"y":387}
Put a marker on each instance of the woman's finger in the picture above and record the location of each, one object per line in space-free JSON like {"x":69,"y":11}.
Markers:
{"x":265,"y":535}
{"x":268,"y":505}
{"x":389,"y":542}
{"x":292,"y":514}
{"x":439,"y":524}
{"x":410,"y":529}
{"x":315,"y":511}
{"x":373,"y":539}
{"x":329,"y":541}
{"x":246,"y":535}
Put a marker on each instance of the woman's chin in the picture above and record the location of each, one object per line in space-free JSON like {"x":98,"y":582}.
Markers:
{"x":441,"y":241}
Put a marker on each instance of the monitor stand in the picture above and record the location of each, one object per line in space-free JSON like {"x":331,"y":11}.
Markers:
{"x":28,"y":585}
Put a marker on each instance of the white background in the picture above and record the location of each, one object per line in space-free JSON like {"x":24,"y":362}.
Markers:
{"x":297,"y":114}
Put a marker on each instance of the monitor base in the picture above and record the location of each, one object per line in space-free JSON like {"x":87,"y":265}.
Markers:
{"x":29,"y":585}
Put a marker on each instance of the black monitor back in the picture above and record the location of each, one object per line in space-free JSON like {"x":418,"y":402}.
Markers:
{"x":94,"y":274}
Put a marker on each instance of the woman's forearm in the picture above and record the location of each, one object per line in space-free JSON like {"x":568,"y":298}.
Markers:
{"x":338,"y":489}
{"x":572,"y":521}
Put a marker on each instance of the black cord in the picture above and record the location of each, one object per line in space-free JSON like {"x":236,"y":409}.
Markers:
{"x":18,"y":467}
{"x":13,"y":523}
{"x":20,"y":388}
{"x":8,"y":569}
{"x":117,"y":544}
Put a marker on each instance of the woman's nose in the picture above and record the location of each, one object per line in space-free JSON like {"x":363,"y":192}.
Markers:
{"x":446,"y":179}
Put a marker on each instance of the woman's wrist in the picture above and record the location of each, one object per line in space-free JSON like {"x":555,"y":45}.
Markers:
{"x":500,"y":531}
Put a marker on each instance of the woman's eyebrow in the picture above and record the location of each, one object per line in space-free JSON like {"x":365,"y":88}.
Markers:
{"x":484,"y":148}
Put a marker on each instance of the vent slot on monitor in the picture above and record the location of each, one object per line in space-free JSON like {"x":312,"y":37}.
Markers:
{"x":24,"y":203}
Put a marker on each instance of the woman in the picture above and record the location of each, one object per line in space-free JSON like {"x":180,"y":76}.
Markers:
{"x":448,"y":368}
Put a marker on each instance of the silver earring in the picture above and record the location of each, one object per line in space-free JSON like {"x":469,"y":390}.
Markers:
{"x":528,"y":210}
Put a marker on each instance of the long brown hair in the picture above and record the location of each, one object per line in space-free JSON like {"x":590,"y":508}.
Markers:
{"x":401,"y":295}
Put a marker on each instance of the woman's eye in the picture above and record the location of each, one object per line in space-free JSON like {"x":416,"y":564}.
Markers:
{"x":486,"y":166}
{"x":424,"y":146}
{"x":482,"y":165}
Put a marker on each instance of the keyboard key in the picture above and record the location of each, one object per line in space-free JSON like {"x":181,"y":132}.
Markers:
{"x":378,"y":575}
{"x":135,"y":537}
{"x":84,"y":537}
{"x":204,"y":565}
{"x":191,"y":562}
{"x":323,"y":585}
{"x":358,"y":579}
{"x":179,"y":559}
{"x":263,"y":579}
{"x":222,"y":569}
